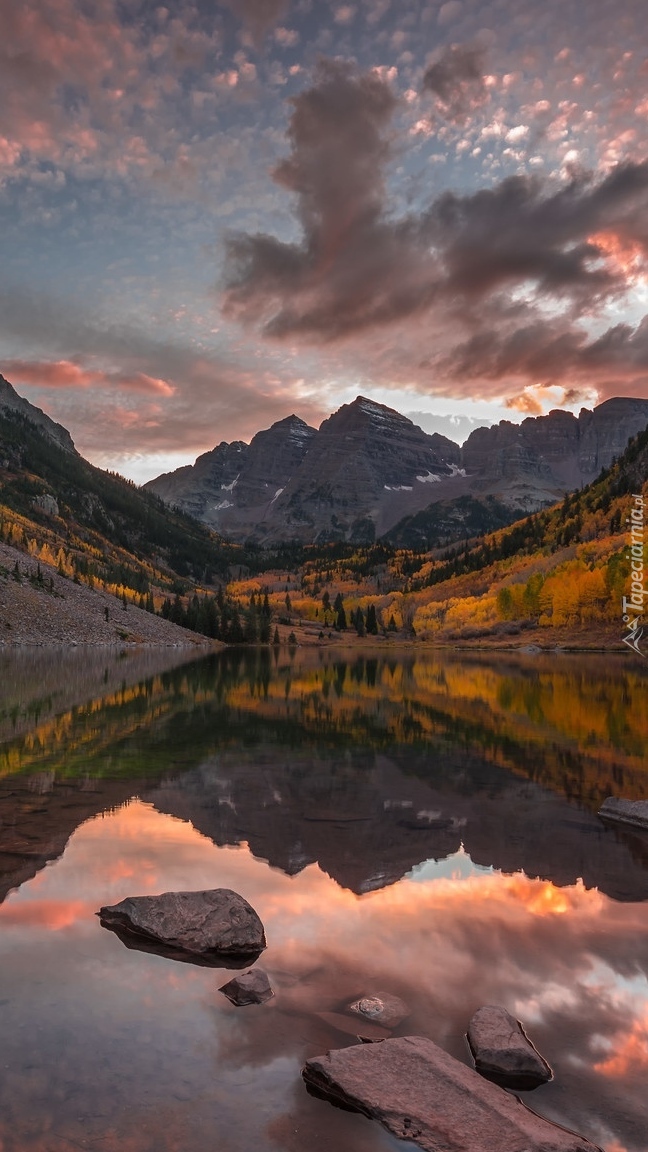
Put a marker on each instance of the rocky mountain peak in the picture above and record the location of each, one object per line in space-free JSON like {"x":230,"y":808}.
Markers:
{"x":363,"y":413}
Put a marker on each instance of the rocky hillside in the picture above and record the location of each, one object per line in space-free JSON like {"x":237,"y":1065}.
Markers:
{"x":39,"y":606}
{"x":367,"y":468}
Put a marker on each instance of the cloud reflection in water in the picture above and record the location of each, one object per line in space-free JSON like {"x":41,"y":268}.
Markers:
{"x":118,"y":1049}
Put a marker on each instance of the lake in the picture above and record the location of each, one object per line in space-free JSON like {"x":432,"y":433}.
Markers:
{"x":409,"y":822}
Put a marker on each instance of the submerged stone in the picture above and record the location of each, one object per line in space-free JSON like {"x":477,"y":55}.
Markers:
{"x":208,"y":924}
{"x":382,"y":1008}
{"x":633,"y":812}
{"x":503,"y":1051}
{"x":251,"y":987}
{"x":420,"y":1093}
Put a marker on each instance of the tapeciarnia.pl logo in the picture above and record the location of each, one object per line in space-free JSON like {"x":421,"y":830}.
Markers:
{"x":633,"y":605}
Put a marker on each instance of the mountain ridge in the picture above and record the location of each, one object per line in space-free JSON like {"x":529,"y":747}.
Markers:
{"x":368,"y":467}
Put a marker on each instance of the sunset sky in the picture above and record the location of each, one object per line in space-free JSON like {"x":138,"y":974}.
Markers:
{"x":216,"y":214}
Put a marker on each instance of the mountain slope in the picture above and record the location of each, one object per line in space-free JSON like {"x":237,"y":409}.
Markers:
{"x":59,"y":490}
{"x":565,"y":569}
{"x":449,"y":520}
{"x":40,"y":606}
{"x":360,"y":465}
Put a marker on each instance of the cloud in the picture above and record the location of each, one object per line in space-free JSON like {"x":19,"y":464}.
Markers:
{"x":536,"y":397}
{"x":473,"y":275}
{"x":457,"y":80}
{"x":335,"y":280}
{"x":344,"y":14}
{"x":286,"y":37}
{"x":259,"y":16}
{"x":450,"y":12}
{"x":526,"y":402}
{"x":68,"y":374}
{"x":119,"y":390}
{"x":616,"y":359}
{"x":96,"y":93}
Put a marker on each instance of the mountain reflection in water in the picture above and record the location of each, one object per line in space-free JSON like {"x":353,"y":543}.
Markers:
{"x":419,"y":824}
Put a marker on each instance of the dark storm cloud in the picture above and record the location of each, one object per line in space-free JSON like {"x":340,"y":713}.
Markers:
{"x":490,"y":260}
{"x":457,"y":80}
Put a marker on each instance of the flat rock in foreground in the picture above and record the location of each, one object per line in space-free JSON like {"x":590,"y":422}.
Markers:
{"x":218,"y":922}
{"x":503,"y":1051}
{"x":633,"y":812}
{"x":420,"y":1093}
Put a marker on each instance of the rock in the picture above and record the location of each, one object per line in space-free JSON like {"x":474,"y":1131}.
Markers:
{"x":419,"y":1093}
{"x":503,"y":1051}
{"x":47,"y":504}
{"x":381,"y":1009}
{"x":633,"y":812}
{"x":208,"y":924}
{"x":251,"y":988}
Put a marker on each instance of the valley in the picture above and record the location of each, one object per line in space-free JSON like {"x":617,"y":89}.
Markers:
{"x":462,"y":570}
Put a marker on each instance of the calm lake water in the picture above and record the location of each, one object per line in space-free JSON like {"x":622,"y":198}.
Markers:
{"x":416,"y":823}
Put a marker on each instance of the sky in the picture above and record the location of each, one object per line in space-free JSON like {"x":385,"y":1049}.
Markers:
{"x":213,"y":215}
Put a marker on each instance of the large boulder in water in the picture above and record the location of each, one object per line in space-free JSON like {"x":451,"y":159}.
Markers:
{"x":503,"y":1051}
{"x":420,"y":1093}
{"x":200,"y":926}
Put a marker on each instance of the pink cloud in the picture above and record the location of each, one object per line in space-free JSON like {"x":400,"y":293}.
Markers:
{"x":68,"y":374}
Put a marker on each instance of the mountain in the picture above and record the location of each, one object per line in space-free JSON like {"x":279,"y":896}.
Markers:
{"x":355,"y":473}
{"x":552,"y":454}
{"x":10,"y":402}
{"x":368,"y":468}
{"x":345,"y":481}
